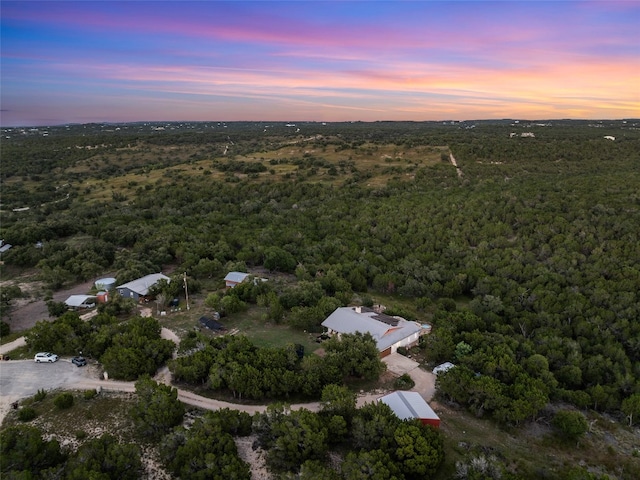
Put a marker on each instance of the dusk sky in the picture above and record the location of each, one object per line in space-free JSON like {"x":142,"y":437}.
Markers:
{"x":108,"y":61}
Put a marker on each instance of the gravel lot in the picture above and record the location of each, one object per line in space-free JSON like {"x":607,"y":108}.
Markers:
{"x":29,"y":312}
{"x":23,"y":378}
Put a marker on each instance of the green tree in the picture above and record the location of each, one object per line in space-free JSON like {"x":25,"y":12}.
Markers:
{"x":315,"y":470}
{"x":370,"y":465}
{"x":299,"y":437}
{"x":157,"y":409}
{"x":105,"y":458}
{"x":338,"y":400}
{"x":56,"y":309}
{"x":26,"y":454}
{"x":63,"y":400}
{"x":206,"y":450}
{"x":631,"y":407}
{"x":355,"y":355}
{"x":279,"y":260}
{"x":374,"y":427}
{"x":231,"y":304}
{"x":7,"y":295}
{"x":419,"y":450}
{"x":291,"y":437}
{"x":570,"y":424}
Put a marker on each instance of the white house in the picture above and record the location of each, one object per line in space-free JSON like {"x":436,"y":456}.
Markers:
{"x":389,"y":332}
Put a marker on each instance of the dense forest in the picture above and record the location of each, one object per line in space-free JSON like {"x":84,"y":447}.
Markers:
{"x":525,"y":257}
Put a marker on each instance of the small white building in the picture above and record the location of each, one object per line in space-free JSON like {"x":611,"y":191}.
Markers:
{"x":234,"y":278}
{"x":81,"y":301}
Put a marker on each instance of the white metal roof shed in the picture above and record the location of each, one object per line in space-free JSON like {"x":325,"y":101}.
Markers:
{"x":236,"y":277}
{"x":407,"y":405}
{"x":79,"y":300}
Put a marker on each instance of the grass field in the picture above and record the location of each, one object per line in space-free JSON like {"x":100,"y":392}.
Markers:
{"x":250,"y":323}
{"x":138,"y":167}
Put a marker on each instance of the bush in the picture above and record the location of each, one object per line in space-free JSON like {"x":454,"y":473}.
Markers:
{"x":570,"y":425}
{"x":26,"y":414}
{"x":89,"y":394}
{"x":40,"y":395}
{"x":402,"y":351}
{"x":4,"y":329}
{"x":404,"y":382}
{"x":63,"y":401}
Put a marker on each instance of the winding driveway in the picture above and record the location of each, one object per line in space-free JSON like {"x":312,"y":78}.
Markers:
{"x":23,"y":378}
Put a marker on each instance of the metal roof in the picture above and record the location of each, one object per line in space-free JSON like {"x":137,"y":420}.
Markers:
{"x":408,"y":405}
{"x":142,"y":285}
{"x":78,"y":300}
{"x":237,"y":277}
{"x":363,"y":320}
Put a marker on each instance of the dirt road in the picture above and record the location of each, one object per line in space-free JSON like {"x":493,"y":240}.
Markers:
{"x":26,"y":315}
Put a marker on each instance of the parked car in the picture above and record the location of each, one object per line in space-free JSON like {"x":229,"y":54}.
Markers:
{"x":45,"y":357}
{"x":79,"y":361}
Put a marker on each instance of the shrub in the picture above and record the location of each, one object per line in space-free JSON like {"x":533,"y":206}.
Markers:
{"x":402,"y":351}
{"x":570,"y":424}
{"x":4,"y":329}
{"x":63,"y":400}
{"x":404,"y":382}
{"x":26,"y":414}
{"x":89,"y":394}
{"x":40,"y":395}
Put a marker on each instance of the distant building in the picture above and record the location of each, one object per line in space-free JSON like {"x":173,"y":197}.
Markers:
{"x":234,"y":278}
{"x":139,"y":289}
{"x":389,"y":332}
{"x":4,"y":247}
{"x":609,"y":137}
{"x":411,"y":405}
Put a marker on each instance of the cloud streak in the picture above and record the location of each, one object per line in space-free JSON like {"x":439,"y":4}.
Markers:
{"x":318,"y":60}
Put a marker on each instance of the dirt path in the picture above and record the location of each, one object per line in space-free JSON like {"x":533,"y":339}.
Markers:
{"x":26,"y":315}
{"x":455,"y":164}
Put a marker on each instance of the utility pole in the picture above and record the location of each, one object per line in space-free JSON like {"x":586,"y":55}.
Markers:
{"x":186,"y":291}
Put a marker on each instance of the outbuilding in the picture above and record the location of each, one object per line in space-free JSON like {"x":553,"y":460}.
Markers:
{"x":235,"y":278}
{"x":107,"y":283}
{"x":81,"y":301}
{"x":411,"y":405}
{"x":211,"y":324}
{"x":138,"y":289}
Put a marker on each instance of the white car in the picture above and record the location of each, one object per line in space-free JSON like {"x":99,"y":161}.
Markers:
{"x":46,"y":357}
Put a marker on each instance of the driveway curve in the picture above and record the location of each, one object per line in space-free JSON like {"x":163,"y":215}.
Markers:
{"x":23,"y":378}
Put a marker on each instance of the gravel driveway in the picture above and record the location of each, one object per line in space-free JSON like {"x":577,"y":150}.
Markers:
{"x":25,"y":316}
{"x":23,"y":378}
